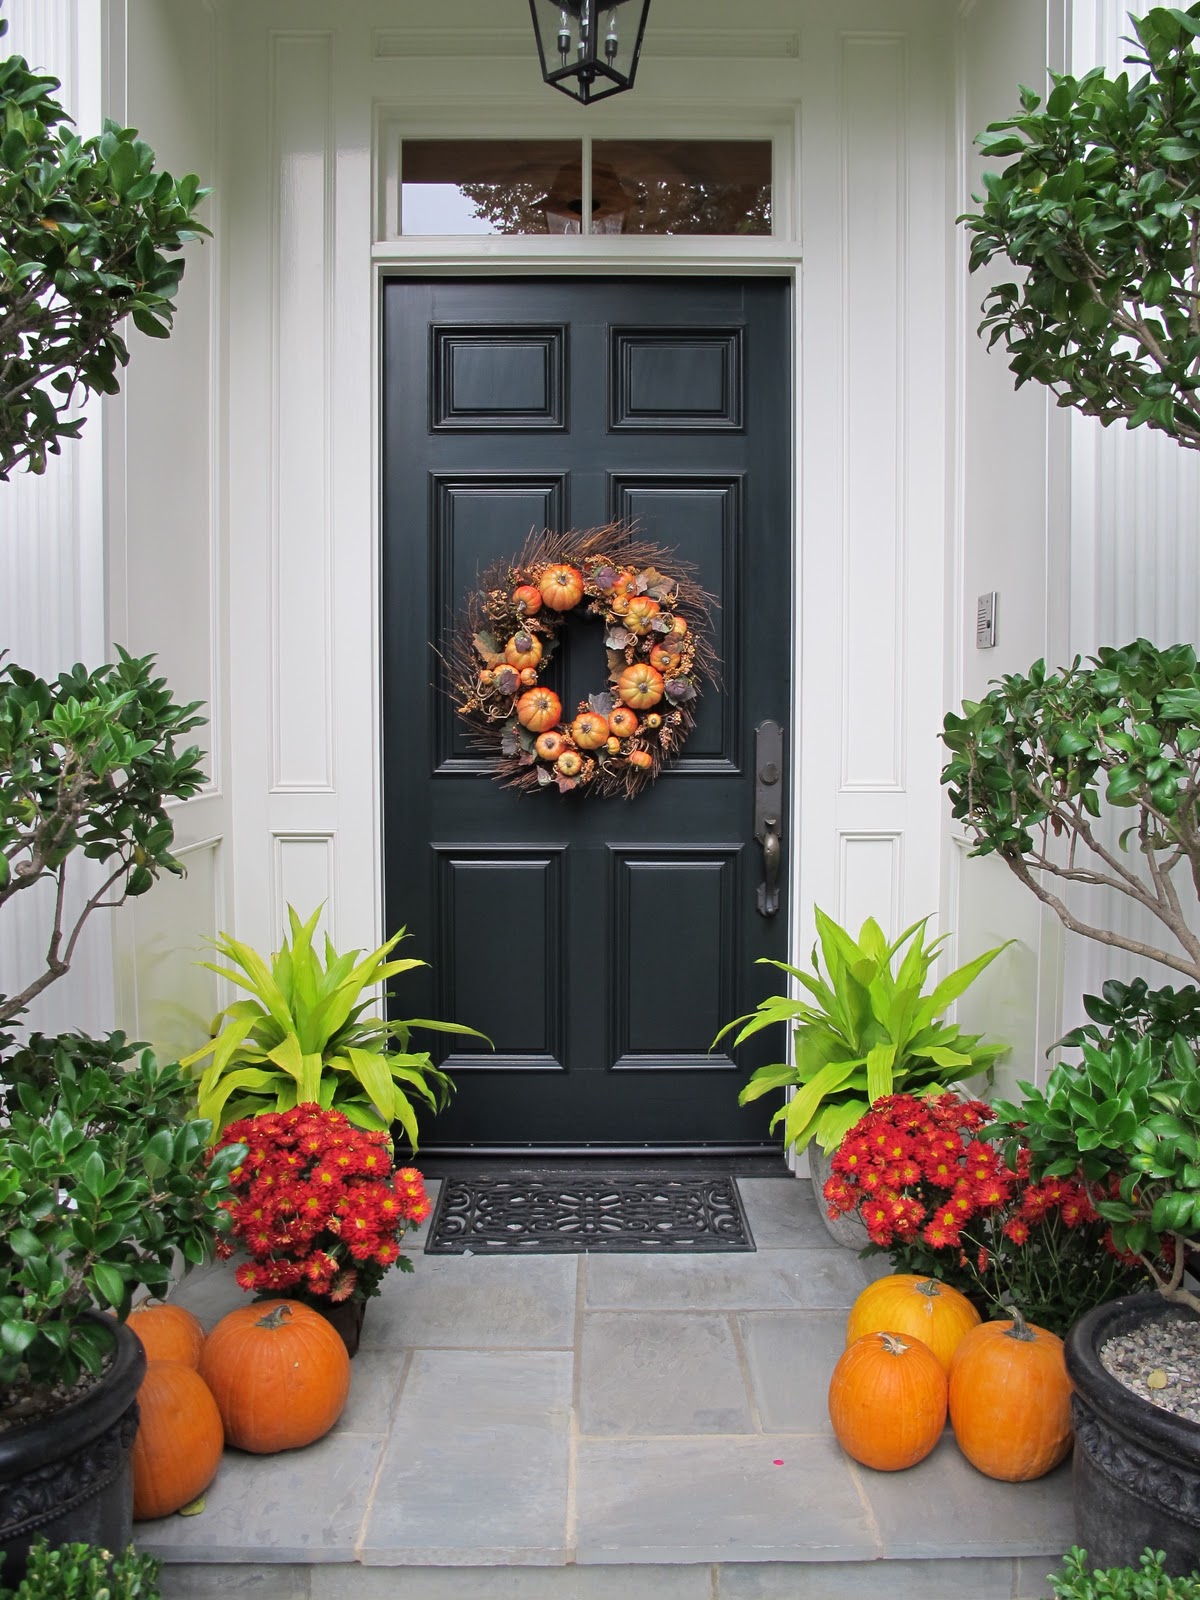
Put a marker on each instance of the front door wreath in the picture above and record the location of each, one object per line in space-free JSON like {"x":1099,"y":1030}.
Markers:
{"x":655,"y":618}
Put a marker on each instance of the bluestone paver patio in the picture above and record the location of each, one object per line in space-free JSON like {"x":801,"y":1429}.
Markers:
{"x":606,"y":1427}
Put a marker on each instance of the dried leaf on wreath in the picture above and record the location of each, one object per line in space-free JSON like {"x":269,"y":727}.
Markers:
{"x":526,"y":758}
{"x":544,"y":777}
{"x":662,"y":623}
{"x":616,"y":662}
{"x":604,"y":578}
{"x":527,"y":737}
{"x":653,"y":583}
{"x":486,"y":644}
{"x":618,"y":638}
{"x":564,"y":784}
{"x":510,"y":744}
{"x":679,"y":691}
{"x":602,"y":704}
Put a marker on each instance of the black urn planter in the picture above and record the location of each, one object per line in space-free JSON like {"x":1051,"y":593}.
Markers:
{"x":1137,"y":1467}
{"x":67,"y":1475}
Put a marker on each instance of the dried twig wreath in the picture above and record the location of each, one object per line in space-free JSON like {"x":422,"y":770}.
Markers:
{"x":656,"y":619}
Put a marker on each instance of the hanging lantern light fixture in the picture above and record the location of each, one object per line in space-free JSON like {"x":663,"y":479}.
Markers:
{"x":589,"y":48}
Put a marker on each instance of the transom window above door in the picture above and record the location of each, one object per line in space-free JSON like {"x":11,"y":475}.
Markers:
{"x":458,"y":187}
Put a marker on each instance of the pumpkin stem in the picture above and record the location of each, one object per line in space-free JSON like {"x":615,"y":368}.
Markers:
{"x":893,"y":1344}
{"x":928,"y":1286}
{"x":1020,"y":1328}
{"x":276,"y":1317}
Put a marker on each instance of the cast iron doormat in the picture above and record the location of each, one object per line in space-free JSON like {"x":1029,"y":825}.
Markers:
{"x":575,"y":1213}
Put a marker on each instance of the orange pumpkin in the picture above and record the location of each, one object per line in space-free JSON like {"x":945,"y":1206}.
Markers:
{"x":279,"y":1374}
{"x":639,"y":612}
{"x":641,"y":758}
{"x":640,"y":686}
{"x":1010,"y":1400}
{"x":523,"y":650}
{"x":679,"y":627}
{"x":570,"y":763}
{"x":654,"y":722}
{"x":527,"y":599}
{"x":664,"y":659}
{"x":589,"y":730}
{"x":623,"y":722}
{"x":624,"y":582}
{"x":887,"y":1401}
{"x":539,"y":709}
{"x":613,"y":746}
{"x":913,"y":1306}
{"x":179,"y":1440}
{"x":561,"y":587}
{"x":168,"y":1333}
{"x":528,"y":677}
{"x":620,"y":605}
{"x":550,"y":745}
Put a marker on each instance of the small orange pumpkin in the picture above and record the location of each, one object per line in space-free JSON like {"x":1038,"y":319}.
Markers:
{"x":527,"y":599}
{"x":654,"y":722}
{"x":539,"y":709}
{"x":613,"y":746}
{"x":589,"y":730}
{"x":523,"y":650}
{"x":679,"y":627}
{"x":623,"y":722}
{"x":168,"y":1332}
{"x":666,"y":660}
{"x":561,"y":587}
{"x":550,"y":745}
{"x":887,"y":1401}
{"x":624,"y":582}
{"x":570,"y":763}
{"x":640,"y":686}
{"x":1010,"y":1400}
{"x":641,"y":758}
{"x":913,"y":1306}
{"x":639,"y":612}
{"x":279,"y":1374}
{"x":620,"y":605}
{"x":179,"y":1440}
{"x":528,"y":677}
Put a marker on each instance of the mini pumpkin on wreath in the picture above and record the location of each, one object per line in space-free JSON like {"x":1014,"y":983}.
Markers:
{"x":656,"y":645}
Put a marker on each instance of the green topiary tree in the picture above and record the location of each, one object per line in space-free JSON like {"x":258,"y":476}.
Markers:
{"x":86,"y":226}
{"x":1101,"y":208}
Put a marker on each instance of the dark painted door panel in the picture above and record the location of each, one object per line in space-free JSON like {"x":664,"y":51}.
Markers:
{"x":599,"y":943}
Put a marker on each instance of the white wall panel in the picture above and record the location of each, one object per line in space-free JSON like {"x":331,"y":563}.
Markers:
{"x":870,"y":879}
{"x":874,"y":414}
{"x":175,"y":997}
{"x":304,"y":877}
{"x":303,"y":199}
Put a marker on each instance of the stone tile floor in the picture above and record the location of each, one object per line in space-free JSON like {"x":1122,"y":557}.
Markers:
{"x":606,"y":1427}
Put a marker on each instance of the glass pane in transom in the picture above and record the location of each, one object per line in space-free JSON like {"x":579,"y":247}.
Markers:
{"x":679,"y":186}
{"x":477,"y":186}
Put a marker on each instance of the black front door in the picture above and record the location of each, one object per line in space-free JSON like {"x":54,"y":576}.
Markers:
{"x":600,"y":943}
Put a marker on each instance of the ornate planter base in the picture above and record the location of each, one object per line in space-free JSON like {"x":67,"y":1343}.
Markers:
{"x":848,"y":1231}
{"x":68,"y":1475}
{"x":1137,"y":1467}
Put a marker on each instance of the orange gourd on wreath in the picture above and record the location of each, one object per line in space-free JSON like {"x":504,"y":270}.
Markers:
{"x":639,"y":613}
{"x":550,"y":745}
{"x":167,"y":1332}
{"x":589,"y":730}
{"x":179,"y":1440}
{"x":623,"y":722}
{"x":279,"y":1374}
{"x":1010,"y":1400}
{"x":561,"y":587}
{"x":527,"y":599}
{"x":887,"y":1401}
{"x":642,"y":759}
{"x":914,"y":1306}
{"x":539,"y":710}
{"x":523,"y":650}
{"x":570,"y":763}
{"x":640,"y":686}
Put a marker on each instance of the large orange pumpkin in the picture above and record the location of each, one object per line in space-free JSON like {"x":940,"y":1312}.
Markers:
{"x":887,"y":1401}
{"x":640,"y":686}
{"x":279,"y":1374}
{"x":168,"y":1333}
{"x":921,"y":1307}
{"x":561,"y":587}
{"x":539,"y":710}
{"x":179,"y":1440}
{"x":1010,"y":1400}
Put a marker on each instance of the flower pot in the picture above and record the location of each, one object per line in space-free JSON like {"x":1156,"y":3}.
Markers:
{"x":67,"y":1475}
{"x":849,"y":1231}
{"x":347,"y":1319}
{"x":1137,"y":1467}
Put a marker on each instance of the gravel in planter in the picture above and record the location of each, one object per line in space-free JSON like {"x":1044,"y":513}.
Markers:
{"x":1161,"y":1362}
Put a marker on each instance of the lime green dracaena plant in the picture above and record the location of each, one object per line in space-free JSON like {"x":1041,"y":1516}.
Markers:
{"x":868,"y":1030}
{"x":305,"y":1034}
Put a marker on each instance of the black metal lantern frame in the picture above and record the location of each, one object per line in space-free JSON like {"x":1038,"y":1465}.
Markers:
{"x":589,"y":48}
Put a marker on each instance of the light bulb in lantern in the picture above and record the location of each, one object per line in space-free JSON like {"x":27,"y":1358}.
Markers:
{"x":610,"y":39}
{"x":564,"y":36}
